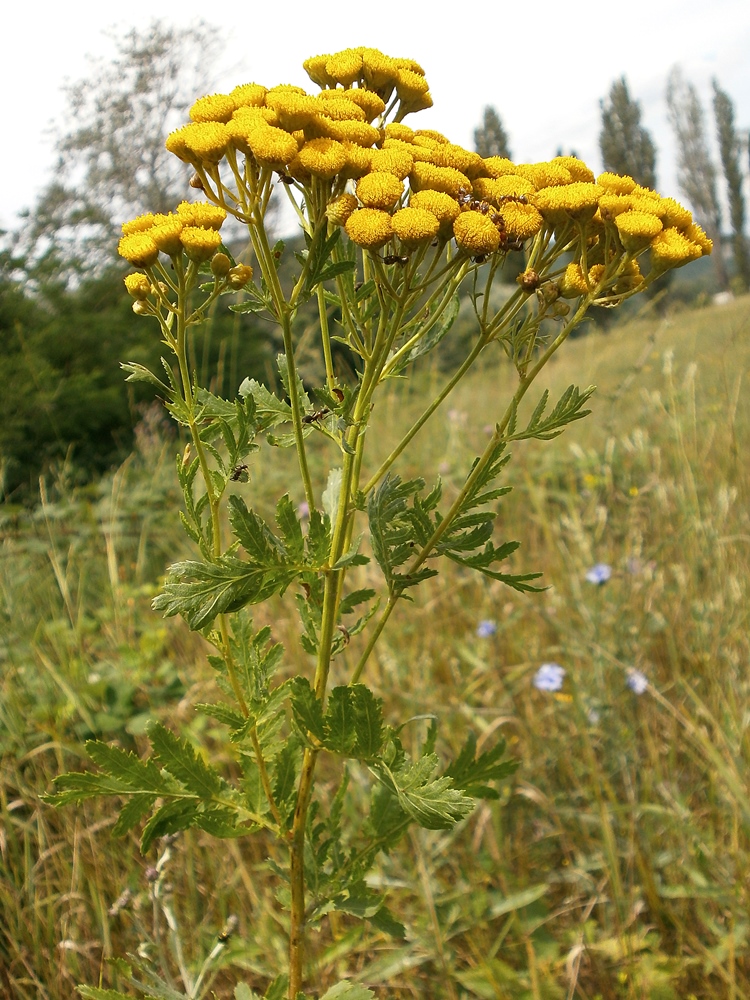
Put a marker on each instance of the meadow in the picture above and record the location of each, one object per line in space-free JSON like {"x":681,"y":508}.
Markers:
{"x":613,"y":865}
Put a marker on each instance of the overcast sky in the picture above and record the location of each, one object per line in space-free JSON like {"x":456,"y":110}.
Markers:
{"x":543,"y":65}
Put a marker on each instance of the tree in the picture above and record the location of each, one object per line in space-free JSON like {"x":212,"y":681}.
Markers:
{"x":729,"y":148}
{"x":626,"y":146}
{"x":490,"y":138}
{"x":696,"y":173}
{"x":112,"y":161}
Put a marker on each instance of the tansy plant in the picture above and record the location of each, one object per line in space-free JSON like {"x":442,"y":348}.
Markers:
{"x":396,"y":222}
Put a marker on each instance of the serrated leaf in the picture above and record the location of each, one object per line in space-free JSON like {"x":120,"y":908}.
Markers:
{"x":277,"y":989}
{"x":181,"y":759}
{"x":352,"y":556}
{"x":431,"y":802}
{"x":179,"y":814}
{"x":470,"y":773}
{"x":139,"y":373}
{"x":386,"y":922}
{"x":308,"y":711}
{"x":95,"y":993}
{"x":291,"y":529}
{"x":269,"y":409}
{"x":140,"y":775}
{"x":132,"y":813}
{"x":243,"y":992}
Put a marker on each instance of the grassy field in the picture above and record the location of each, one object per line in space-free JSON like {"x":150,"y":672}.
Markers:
{"x":614,"y":864}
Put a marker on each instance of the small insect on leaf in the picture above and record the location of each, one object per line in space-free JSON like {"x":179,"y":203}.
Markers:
{"x":239,"y":474}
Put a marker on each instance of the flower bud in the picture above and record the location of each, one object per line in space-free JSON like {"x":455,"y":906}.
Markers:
{"x":138,"y":286}
{"x":529,"y":280}
{"x":141,"y":308}
{"x":196,"y":183}
{"x":240,"y":275}
{"x":221,"y":265}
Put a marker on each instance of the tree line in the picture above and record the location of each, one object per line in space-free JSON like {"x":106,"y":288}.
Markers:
{"x":64,"y":320}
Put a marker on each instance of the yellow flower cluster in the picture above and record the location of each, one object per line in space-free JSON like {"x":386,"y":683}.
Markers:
{"x":365,"y":172}
{"x":192,"y":228}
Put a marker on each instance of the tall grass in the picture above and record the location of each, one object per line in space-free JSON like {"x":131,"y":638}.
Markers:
{"x":614,"y":864}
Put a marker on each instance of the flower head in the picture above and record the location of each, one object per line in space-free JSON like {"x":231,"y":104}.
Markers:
{"x":475,"y":233}
{"x":379,"y":190}
{"x":201,"y":213}
{"x":599,"y":573}
{"x":213,"y":108}
{"x":138,"y":249}
{"x":200,"y":244}
{"x":549,"y":677}
{"x":138,"y":286}
{"x":637,"y":682}
{"x":370,"y":228}
{"x":415,"y":225}
{"x":486,"y":628}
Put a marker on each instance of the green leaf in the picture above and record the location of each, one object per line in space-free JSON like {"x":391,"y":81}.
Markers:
{"x":290,"y":528}
{"x":269,"y":409}
{"x":180,"y":758}
{"x":568,"y":408}
{"x":352,"y":556}
{"x":385,"y":921}
{"x":307,"y":709}
{"x":132,"y":813}
{"x":346,"y":990}
{"x":140,"y":775}
{"x":431,"y":802}
{"x":277,"y":989}
{"x":471,"y":773}
{"x":179,"y":814}
{"x":331,"y":494}
{"x":243,"y":992}
{"x":95,"y":993}
{"x":139,"y":373}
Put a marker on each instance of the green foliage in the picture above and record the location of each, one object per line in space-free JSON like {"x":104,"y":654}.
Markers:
{"x":625,"y":144}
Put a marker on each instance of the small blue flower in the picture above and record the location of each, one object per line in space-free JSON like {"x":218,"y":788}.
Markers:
{"x":599,"y":573}
{"x":486,"y":628}
{"x":637,"y":682}
{"x":549,"y":677}
{"x":303,"y":510}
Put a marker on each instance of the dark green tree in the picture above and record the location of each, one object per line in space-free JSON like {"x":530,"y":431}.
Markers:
{"x":729,"y":148}
{"x":490,"y":138}
{"x":696,"y":173}
{"x":626,"y":146}
{"x":112,"y":163}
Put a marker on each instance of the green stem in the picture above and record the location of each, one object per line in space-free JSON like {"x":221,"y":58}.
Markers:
{"x":326,"y":336}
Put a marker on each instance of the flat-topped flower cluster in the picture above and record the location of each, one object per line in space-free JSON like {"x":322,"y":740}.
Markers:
{"x":389,"y":185}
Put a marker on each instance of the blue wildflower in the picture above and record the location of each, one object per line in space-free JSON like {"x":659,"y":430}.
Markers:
{"x":486,"y":628}
{"x":637,"y":682}
{"x":549,"y":677}
{"x":599,"y":573}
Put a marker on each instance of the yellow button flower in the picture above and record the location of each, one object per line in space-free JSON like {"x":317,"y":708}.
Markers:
{"x":139,"y":224}
{"x":272,"y":147}
{"x":615,"y":183}
{"x":295,"y":110}
{"x":396,"y":130}
{"x":213,"y":108}
{"x":578,"y":200}
{"x":379,"y":190}
{"x":371,"y":103}
{"x":672,"y":213}
{"x":345,"y":67}
{"x":445,"y":209}
{"x":414,"y":226}
{"x":322,"y":157}
{"x":637,"y":229}
{"x":544,"y":175}
{"x":427,"y":176}
{"x":495,"y":189}
{"x":251,"y":95}
{"x":576,"y":168}
{"x":138,"y":249}
{"x":339,"y":210}
{"x":420,"y":154}
{"x":200,"y":142}
{"x":369,"y":228}
{"x":612,"y":205}
{"x":315,"y":67}
{"x":339,"y":108}
{"x":499,"y":166}
{"x":167,"y":236}
{"x":358,"y":132}
{"x":201,"y":213}
{"x":696,"y":235}
{"x":521,"y":221}
{"x":398,"y":162}
{"x":430,"y":137}
{"x":452,"y":155}
{"x":410,"y":86}
{"x":250,"y":113}
{"x":358,"y":160}
{"x":476,"y":234}
{"x":671,"y":248}
{"x":200,"y":244}
{"x":138,"y":286}
{"x":378,"y":70}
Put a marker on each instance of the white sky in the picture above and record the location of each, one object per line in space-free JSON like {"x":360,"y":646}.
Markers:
{"x":543,"y":65}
